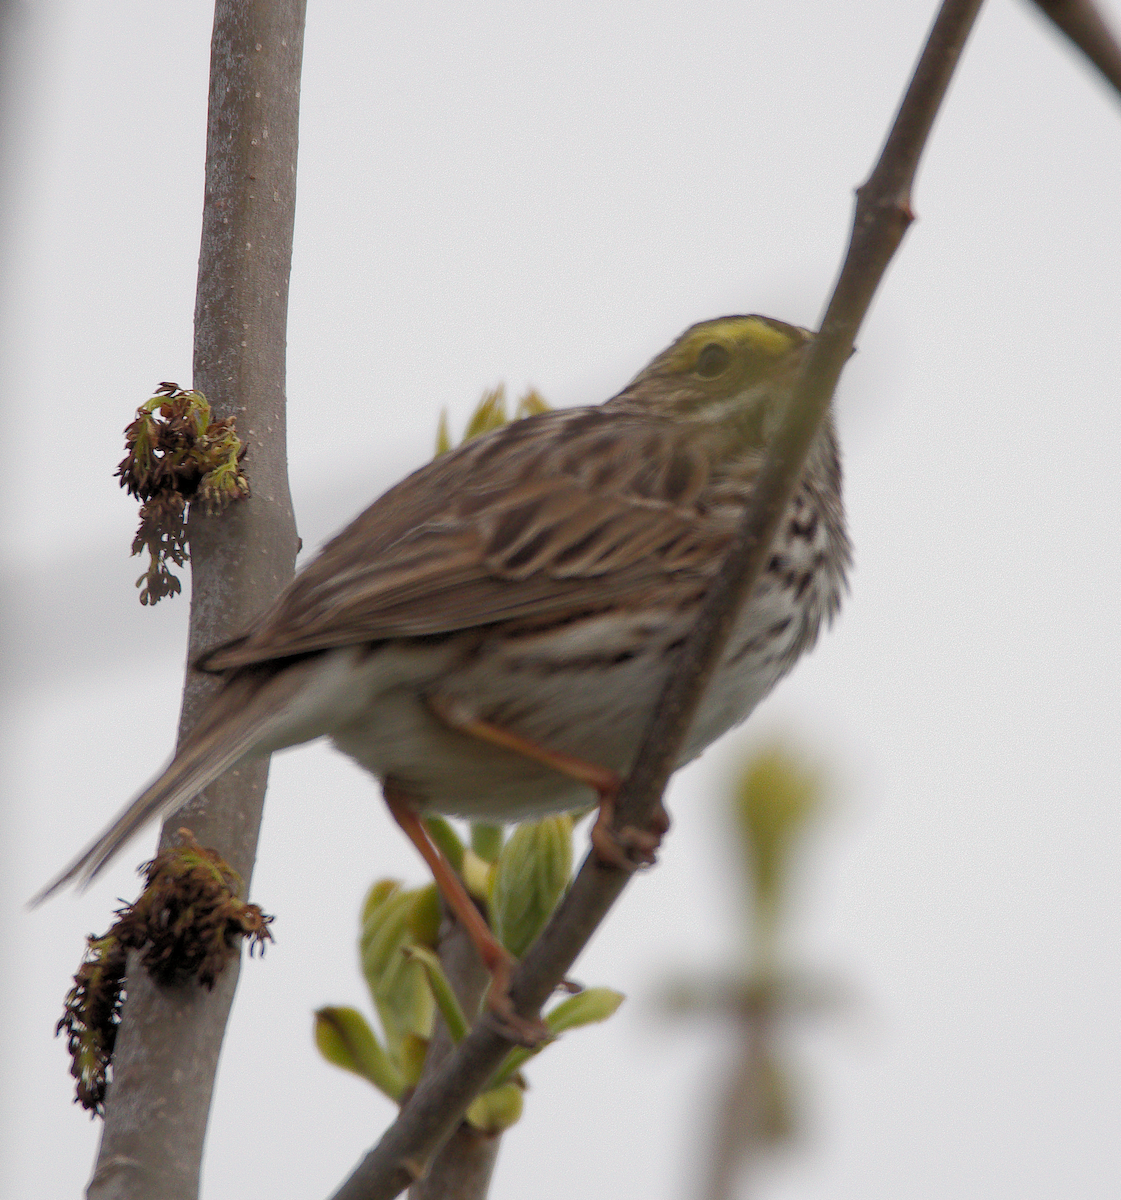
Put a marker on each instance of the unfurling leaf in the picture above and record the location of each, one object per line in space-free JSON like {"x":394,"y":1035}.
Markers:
{"x":442,"y":992}
{"x":397,"y":986}
{"x":585,"y":1008}
{"x":345,"y":1039}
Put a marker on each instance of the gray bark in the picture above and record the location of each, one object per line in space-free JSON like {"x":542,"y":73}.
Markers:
{"x":463,"y":1167}
{"x":168,"y":1046}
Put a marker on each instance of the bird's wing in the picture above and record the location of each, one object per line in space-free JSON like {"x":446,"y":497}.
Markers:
{"x":569,"y":511}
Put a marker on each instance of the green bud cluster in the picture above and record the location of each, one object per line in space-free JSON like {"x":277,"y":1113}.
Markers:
{"x":394,"y":921}
{"x":490,"y":413}
{"x":520,"y":880}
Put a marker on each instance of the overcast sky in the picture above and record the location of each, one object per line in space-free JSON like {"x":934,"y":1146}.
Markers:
{"x":548,"y":195}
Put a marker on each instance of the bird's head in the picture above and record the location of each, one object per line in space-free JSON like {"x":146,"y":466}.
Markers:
{"x":732,"y":374}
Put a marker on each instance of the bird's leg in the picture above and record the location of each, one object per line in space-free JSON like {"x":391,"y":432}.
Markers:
{"x":626,"y":848}
{"x":497,"y":960}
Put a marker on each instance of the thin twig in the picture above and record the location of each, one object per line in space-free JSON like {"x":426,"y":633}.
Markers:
{"x":882,"y":215}
{"x":167,"y":1050}
{"x":1083,"y":23}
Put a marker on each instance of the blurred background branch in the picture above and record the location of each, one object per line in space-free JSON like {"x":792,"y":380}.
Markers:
{"x":754,"y":1096}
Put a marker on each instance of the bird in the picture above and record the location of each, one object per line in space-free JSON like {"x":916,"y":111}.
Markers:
{"x":489,"y":638}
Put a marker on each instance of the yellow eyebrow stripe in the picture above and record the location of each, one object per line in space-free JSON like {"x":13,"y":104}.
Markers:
{"x":762,"y":338}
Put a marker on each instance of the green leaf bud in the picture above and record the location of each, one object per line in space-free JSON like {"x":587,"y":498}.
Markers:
{"x":774,"y":800}
{"x":486,"y":840}
{"x":377,"y":896}
{"x":443,"y":435}
{"x":530,"y":877}
{"x":424,"y":916}
{"x":384,"y":931}
{"x":447,"y":839}
{"x":497,"y":1109}
{"x":585,"y":1008}
{"x":397,"y":986}
{"x":345,"y":1039}
{"x":490,"y":413}
{"x":442,"y":992}
{"x":531,"y":404}
{"x":414,"y":1050}
{"x":478,"y":875}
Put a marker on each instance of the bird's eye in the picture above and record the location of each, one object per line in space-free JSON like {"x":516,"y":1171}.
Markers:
{"x":713,"y":360}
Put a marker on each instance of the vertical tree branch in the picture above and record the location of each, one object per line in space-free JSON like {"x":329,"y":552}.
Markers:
{"x":168,"y":1045}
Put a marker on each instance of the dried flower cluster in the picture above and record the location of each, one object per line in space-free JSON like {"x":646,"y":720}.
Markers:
{"x":90,"y":1017}
{"x":177,"y":456}
{"x":187,"y":924}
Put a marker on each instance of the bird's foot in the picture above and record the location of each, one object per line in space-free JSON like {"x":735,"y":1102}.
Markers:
{"x":629,"y":848}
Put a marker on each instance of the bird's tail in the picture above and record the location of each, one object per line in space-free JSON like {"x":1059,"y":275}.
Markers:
{"x":235,"y":722}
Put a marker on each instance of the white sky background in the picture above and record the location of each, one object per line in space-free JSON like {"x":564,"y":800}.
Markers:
{"x":548,"y":195}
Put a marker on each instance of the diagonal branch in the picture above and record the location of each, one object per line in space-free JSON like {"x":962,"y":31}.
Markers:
{"x":1084,"y":24}
{"x":882,"y":216}
{"x":167,"y":1050}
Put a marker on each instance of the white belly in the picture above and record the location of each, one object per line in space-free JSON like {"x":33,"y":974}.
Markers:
{"x":579,"y":689}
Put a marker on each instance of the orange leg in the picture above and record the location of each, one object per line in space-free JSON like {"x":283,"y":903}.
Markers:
{"x":495,"y":957}
{"x":626,"y":848}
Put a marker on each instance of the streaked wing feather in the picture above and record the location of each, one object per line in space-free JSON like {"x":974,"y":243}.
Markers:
{"x":549,"y":515}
